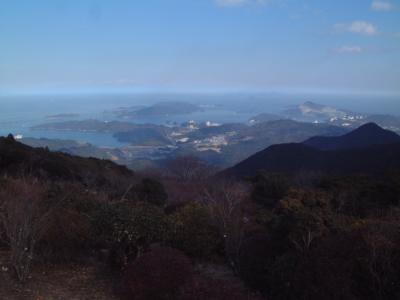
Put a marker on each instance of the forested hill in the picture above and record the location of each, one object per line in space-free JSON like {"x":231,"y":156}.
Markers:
{"x":19,"y":159}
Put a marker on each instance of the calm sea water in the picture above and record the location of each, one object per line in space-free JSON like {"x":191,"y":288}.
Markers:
{"x":19,"y":113}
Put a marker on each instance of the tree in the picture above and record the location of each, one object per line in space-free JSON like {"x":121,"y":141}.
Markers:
{"x":22,"y":216}
{"x":193,"y":231}
{"x":187,"y":168}
{"x":151,"y":191}
{"x":225,"y":200}
{"x":268,"y":189}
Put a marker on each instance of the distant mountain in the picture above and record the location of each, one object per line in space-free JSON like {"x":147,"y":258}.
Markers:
{"x":126,"y":132}
{"x":292,"y":158}
{"x":317,"y":113}
{"x":366,"y":135}
{"x":229,"y":144}
{"x":92,"y":125}
{"x":144,"y":137}
{"x":386,"y":121}
{"x":313,"y":112}
{"x":207,"y":132}
{"x":161,"y":109}
{"x":62,"y":116}
{"x":264,"y":117}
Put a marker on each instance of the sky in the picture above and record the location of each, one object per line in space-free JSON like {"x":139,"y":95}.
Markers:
{"x":271,"y":45}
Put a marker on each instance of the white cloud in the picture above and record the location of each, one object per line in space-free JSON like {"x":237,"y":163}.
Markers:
{"x":357,"y":27}
{"x":235,"y":3}
{"x":381,"y":5}
{"x":349,"y":50}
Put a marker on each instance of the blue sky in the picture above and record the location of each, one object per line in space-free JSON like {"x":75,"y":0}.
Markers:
{"x":313,"y":45}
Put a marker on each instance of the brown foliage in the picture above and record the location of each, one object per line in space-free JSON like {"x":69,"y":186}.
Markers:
{"x":158,"y":274}
{"x":188,"y":168}
{"x":203,"y":288}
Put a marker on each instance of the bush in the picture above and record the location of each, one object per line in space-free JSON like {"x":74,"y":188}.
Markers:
{"x":158,"y":274}
{"x":140,"y":221}
{"x":66,"y":237}
{"x":268,"y":189}
{"x":192,"y":232}
{"x":306,"y":215}
{"x":68,"y":233}
{"x":151,"y":191}
{"x":203,"y":288}
{"x":127,"y":229}
{"x":253,"y":261}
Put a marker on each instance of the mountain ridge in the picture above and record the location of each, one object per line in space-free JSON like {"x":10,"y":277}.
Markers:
{"x":299,"y":157}
{"x":366,"y":135}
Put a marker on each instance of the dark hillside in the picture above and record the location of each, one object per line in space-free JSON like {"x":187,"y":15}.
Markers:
{"x":19,"y":159}
{"x":294,"y":158}
{"x":366,"y":135}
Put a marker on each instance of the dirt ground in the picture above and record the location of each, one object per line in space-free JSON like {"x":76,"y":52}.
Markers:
{"x":79,"y":282}
{"x":61,"y":282}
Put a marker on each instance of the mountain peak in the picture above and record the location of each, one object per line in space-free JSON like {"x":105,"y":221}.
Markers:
{"x":311,"y":111}
{"x":373,"y":132}
{"x":369,"y":127}
{"x":366,"y":135}
{"x":310,"y":103}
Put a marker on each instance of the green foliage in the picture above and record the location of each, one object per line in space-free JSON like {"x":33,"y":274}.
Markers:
{"x":358,"y":195}
{"x":151,"y":191}
{"x":127,"y":222}
{"x":268,"y":189}
{"x":126,"y":229}
{"x":141,"y":221}
{"x":319,"y":244}
{"x":192,"y":231}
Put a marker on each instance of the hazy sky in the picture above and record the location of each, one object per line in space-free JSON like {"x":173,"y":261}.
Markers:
{"x":333,"y":45}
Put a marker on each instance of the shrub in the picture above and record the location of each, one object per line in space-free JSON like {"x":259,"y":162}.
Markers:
{"x":66,"y":237}
{"x":203,"y":288}
{"x":192,"y":231}
{"x":68,"y":233}
{"x":140,"y":221}
{"x":253,"y":261}
{"x":158,"y":274}
{"x":305,"y":215}
{"x":151,"y":191}
{"x":127,"y":229}
{"x":268,"y":189}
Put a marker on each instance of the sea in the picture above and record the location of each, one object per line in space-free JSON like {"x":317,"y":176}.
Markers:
{"x":19,"y":113}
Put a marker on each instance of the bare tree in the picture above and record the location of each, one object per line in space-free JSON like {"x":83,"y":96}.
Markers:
{"x":187,"y":168}
{"x":382,"y":243}
{"x":22,"y":218}
{"x":225,"y":200}
{"x":305,"y":241}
